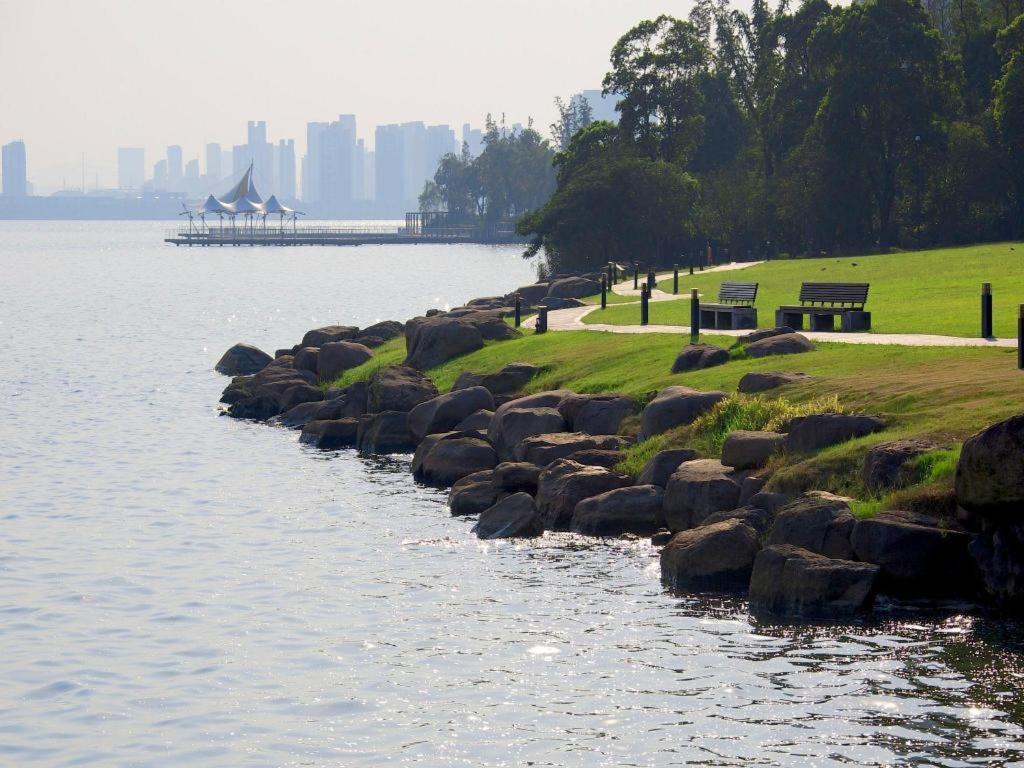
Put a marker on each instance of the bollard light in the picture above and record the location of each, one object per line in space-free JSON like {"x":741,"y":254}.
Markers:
{"x":986,"y":310}
{"x":542,"y":320}
{"x":644,"y":298}
{"x":694,"y":316}
{"x":675,"y":280}
{"x":604,"y":291}
{"x":519,"y":310}
{"x":1020,"y":337}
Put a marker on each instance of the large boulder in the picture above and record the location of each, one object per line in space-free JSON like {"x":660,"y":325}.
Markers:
{"x":524,"y":417}
{"x":765,"y":333}
{"x":556,"y":302}
{"x":514,"y":476}
{"x":597,"y":457}
{"x":762,"y":381}
{"x":479,"y":421}
{"x":806,"y":434}
{"x":296,"y":394}
{"x":794,"y":583}
{"x":544,"y":448}
{"x":885,"y":464}
{"x":573,"y":288}
{"x":660,"y":466}
{"x":329,"y":435}
{"x":693,"y":357}
{"x":596,"y":414}
{"x":306,"y":359}
{"x":385,"y":432}
{"x":758,"y":519}
{"x":818,"y":522}
{"x":674,"y":407}
{"x":444,"y":412}
{"x":454,"y":457}
{"x":564,"y":484}
{"x":336,"y":357}
{"x":398,"y":388}
{"x":386,"y":330}
{"x":783,"y":344}
{"x":633,"y":509}
{"x":990,"y":474}
{"x":242,"y":360}
{"x":509,"y":380}
{"x":300,"y":415}
{"x":744,"y":449}
{"x":711,"y":558}
{"x":513,"y":517}
{"x":320,"y":336}
{"x":914,"y":556}
{"x":473,"y":494}
{"x":998,"y":554}
{"x":431,"y":341}
{"x":697,"y":489}
{"x":530,"y":294}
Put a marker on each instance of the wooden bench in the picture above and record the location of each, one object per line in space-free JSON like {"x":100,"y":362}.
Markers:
{"x":735,"y":308}
{"x":822,"y":302}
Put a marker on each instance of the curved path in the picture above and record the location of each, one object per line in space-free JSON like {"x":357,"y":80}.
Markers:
{"x":572,"y":320}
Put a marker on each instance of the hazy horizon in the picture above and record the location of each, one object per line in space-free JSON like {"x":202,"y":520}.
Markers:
{"x":90,"y":77}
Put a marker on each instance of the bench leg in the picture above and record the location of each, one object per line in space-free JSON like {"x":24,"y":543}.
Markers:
{"x":707,"y":319}
{"x":794,"y":320}
{"x":745,"y":318}
{"x":725,"y":319}
{"x":823,"y":323}
{"x":856,"y":321}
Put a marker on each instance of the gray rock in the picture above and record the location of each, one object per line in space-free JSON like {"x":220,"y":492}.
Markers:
{"x":514,"y":517}
{"x":744,"y":449}
{"x":530,"y":294}
{"x":596,"y":414}
{"x":573,"y":288}
{"x":320,"y":336}
{"x":300,"y":415}
{"x":542,"y":449}
{"x":634,"y":509}
{"x":762,"y":381}
{"x":524,"y":417}
{"x":751,"y":486}
{"x":473,"y":494}
{"x":398,"y":388}
{"x":914,"y":556}
{"x":242,"y":360}
{"x":717,"y":557}
{"x":660,"y":466}
{"x":758,"y":519}
{"x":770,"y":502}
{"x":509,"y":380}
{"x":563,"y":484}
{"x":298,"y":393}
{"x":884,"y":465}
{"x":517,"y":476}
{"x":697,"y":489}
{"x":306,"y":359}
{"x":818,"y":522}
{"x":784,"y":344}
{"x":385,"y":432}
{"x":478,"y":420}
{"x":806,"y":434}
{"x":675,"y":407}
{"x":694,"y":357}
{"x":595,"y":457}
{"x":336,"y":357}
{"x":386,"y":330}
{"x":444,"y":412}
{"x":990,"y":474}
{"x":765,"y":333}
{"x":453,"y":458}
{"x":998,"y":554}
{"x":337,"y":433}
{"x":431,"y":341}
{"x":793,"y":583}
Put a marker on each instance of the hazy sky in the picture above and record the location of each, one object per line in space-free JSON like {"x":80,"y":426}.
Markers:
{"x":87,"y":76}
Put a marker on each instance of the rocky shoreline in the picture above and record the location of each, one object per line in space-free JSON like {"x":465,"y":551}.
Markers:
{"x":524,"y":464}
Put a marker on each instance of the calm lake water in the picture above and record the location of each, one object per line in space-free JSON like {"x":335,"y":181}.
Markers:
{"x":180,"y":589}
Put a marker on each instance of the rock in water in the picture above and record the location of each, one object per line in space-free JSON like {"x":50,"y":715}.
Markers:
{"x":385,"y":432}
{"x":514,"y":517}
{"x":818,"y":522}
{"x":320,"y":336}
{"x":793,"y":583}
{"x":453,"y":458}
{"x":696,"y":489}
{"x":242,"y":360}
{"x":565,"y":483}
{"x":634,"y":509}
{"x":711,"y":558}
{"x":473,"y":494}
{"x":444,"y":412}
{"x":990,"y":474}
{"x":337,"y":433}
{"x":336,"y":357}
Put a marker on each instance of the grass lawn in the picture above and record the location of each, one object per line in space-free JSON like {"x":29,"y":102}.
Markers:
{"x":936,"y":291}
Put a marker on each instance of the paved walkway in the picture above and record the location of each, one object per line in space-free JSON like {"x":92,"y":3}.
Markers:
{"x":625,"y":288}
{"x":572,"y":320}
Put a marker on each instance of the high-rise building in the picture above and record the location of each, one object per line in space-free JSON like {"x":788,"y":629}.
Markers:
{"x":15,"y":175}
{"x":285,"y":152}
{"x":473,"y":139}
{"x":261,"y":154}
{"x":131,"y":167}
{"x":175,"y":170}
{"x":388,"y":169}
{"x":311,"y":162}
{"x":407,"y":156}
{"x":213,"y":162}
{"x":192,"y":170}
{"x":160,"y":175}
{"x":337,"y":165}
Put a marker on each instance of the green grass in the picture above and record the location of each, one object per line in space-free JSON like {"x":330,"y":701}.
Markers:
{"x":935,"y":291}
{"x":612,"y":298}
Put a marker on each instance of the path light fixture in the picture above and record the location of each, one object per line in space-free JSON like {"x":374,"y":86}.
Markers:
{"x":986,"y":310}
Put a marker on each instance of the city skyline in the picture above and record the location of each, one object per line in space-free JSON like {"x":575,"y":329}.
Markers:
{"x":126,"y":84}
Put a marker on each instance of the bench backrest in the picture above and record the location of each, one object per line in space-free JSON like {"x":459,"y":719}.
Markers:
{"x":737,"y":293}
{"x":854,"y":294}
